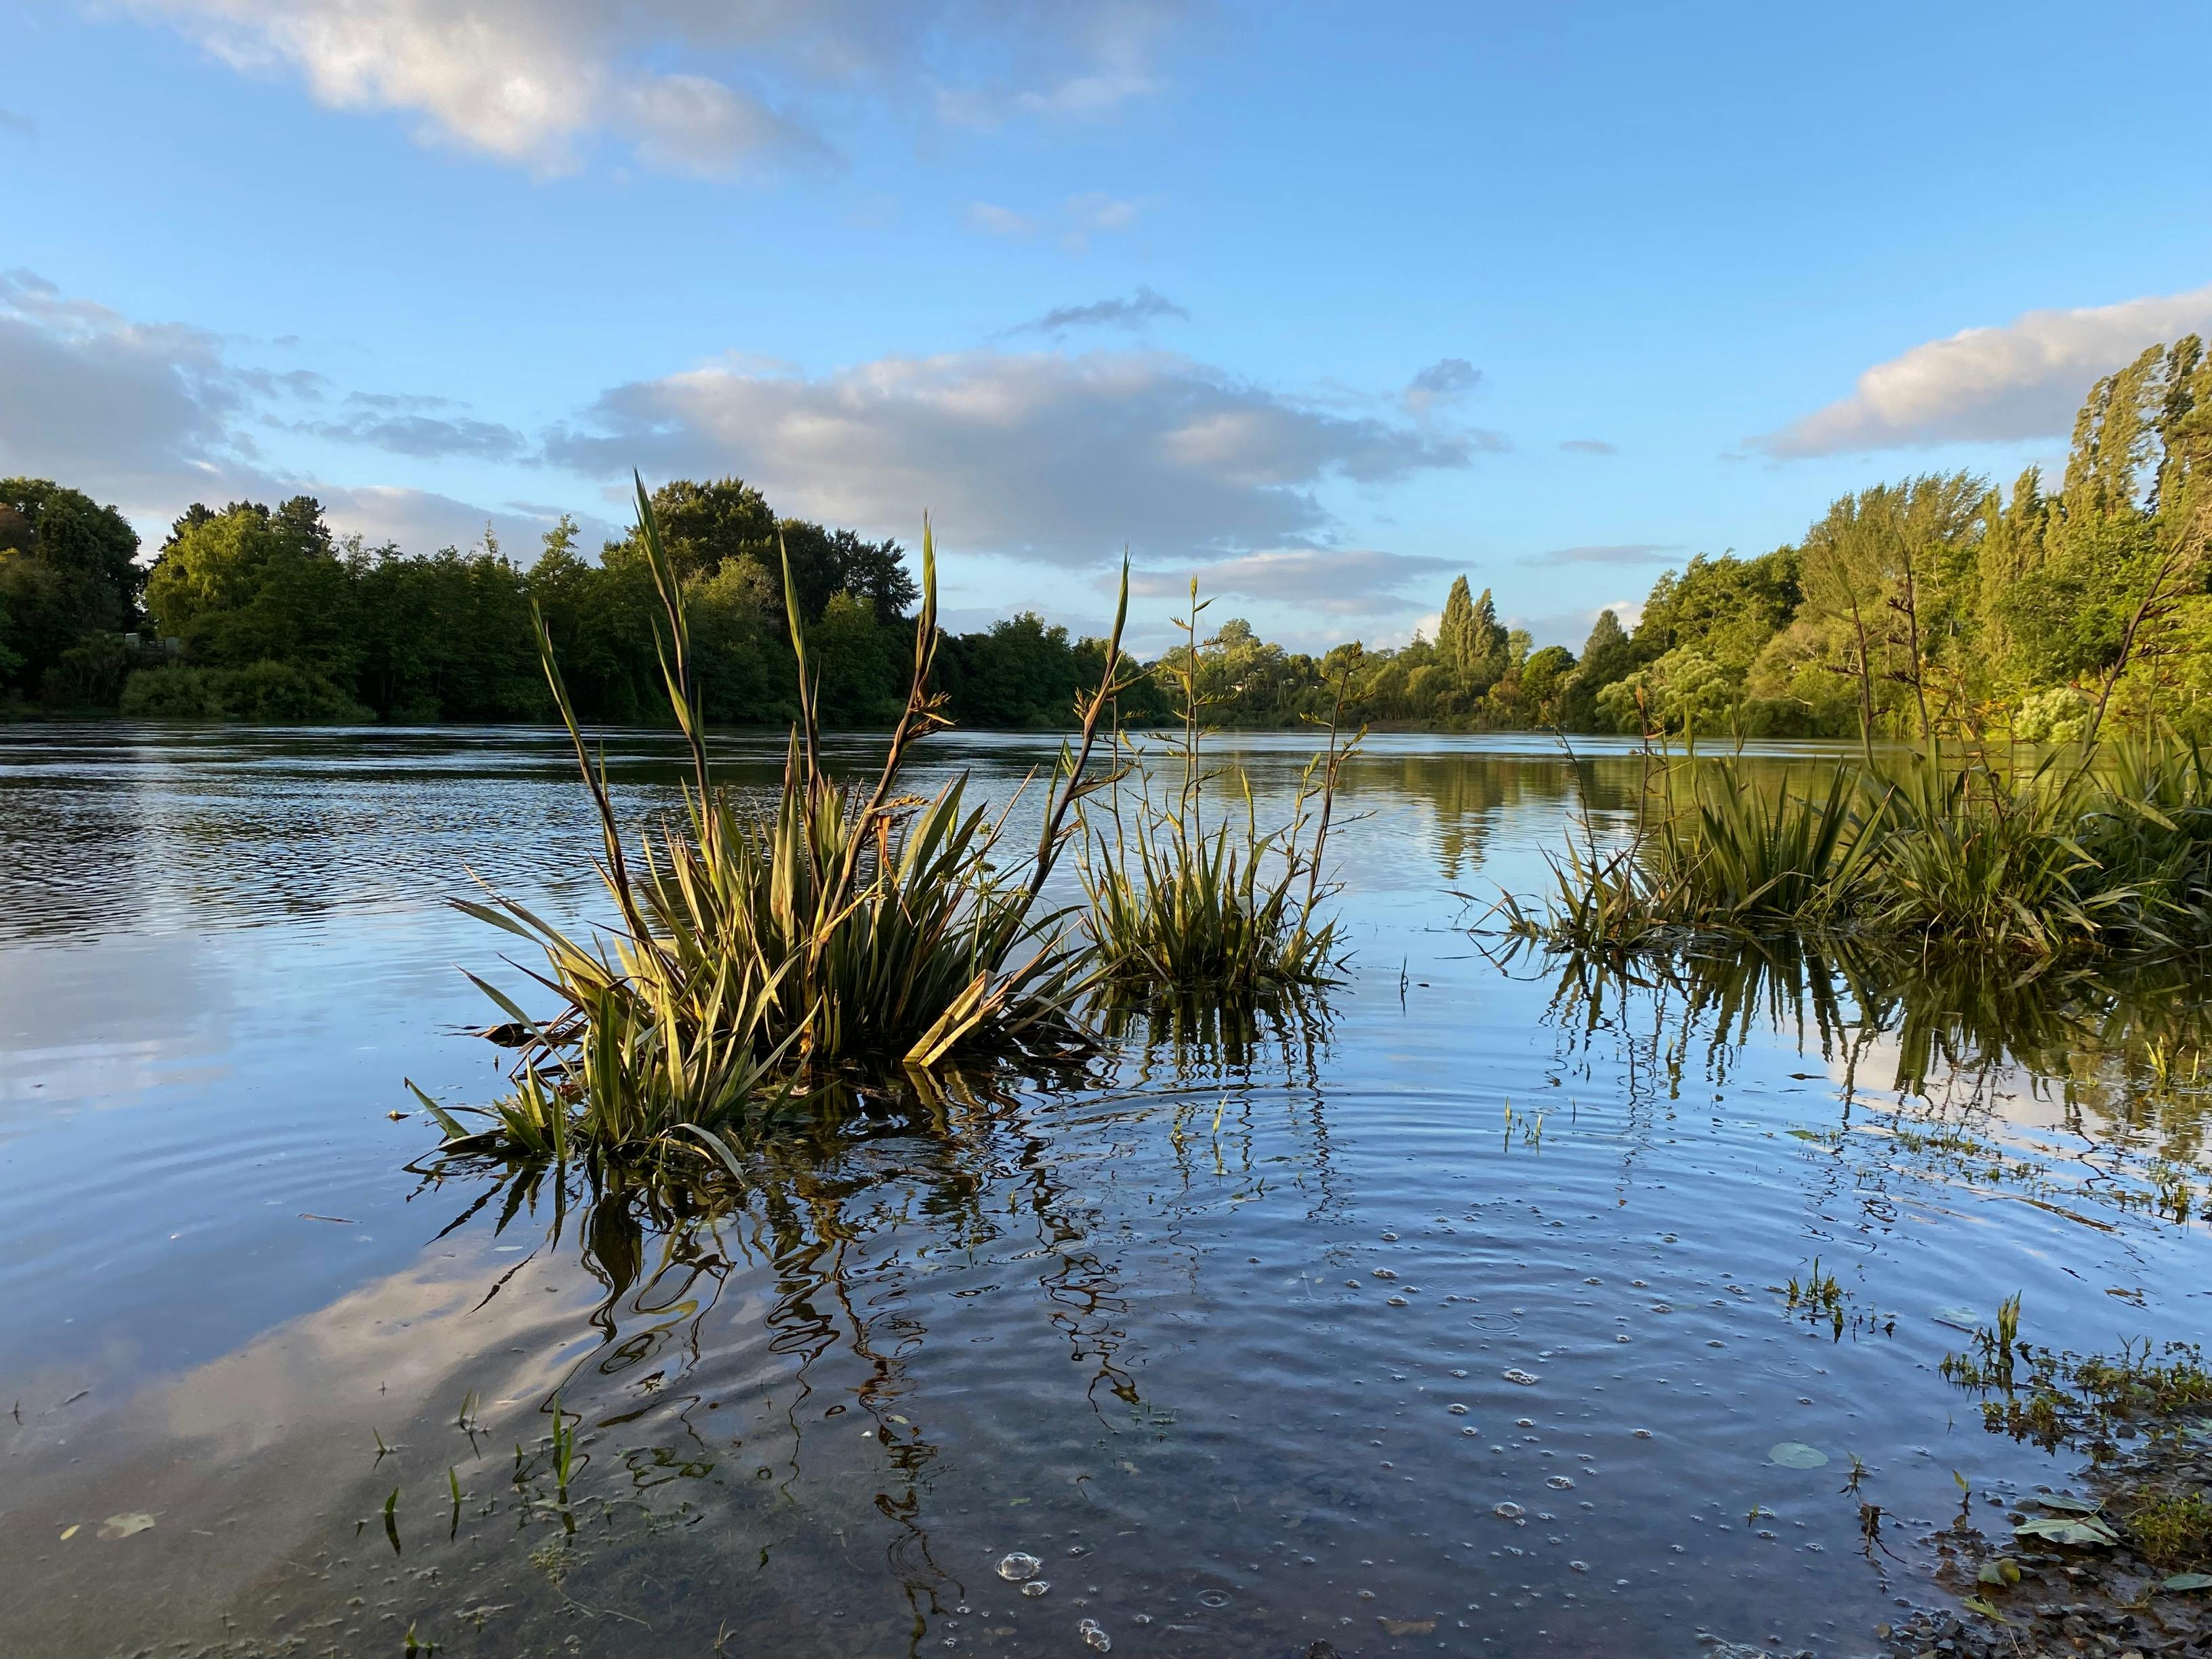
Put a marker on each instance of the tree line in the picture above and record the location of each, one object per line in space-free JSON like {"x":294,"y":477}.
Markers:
{"x":1938,"y":603}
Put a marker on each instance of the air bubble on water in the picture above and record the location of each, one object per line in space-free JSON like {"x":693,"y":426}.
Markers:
{"x":1018,"y":1566}
{"x":1036,"y":1586}
{"x":1456,"y":1371}
{"x":1397,"y":1301}
{"x":1469,"y":1430}
{"x":1643,"y":1434}
{"x":1389,"y":1238}
{"x":1456,"y":1410}
{"x":1385,"y":1272}
{"x":1577,"y":1566}
{"x":1526,"y":1379}
{"x":1524,"y":1422}
{"x":1560,"y":1483}
{"x":1142,"y":1619}
{"x":1507,"y":1511}
{"x":1213,"y":1599}
{"x":1089,"y":1630}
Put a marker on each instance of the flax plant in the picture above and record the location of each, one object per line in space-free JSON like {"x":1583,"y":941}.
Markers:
{"x":850,"y":932}
{"x":1934,"y":853}
{"x":1175,"y":907}
{"x":1710,"y":852}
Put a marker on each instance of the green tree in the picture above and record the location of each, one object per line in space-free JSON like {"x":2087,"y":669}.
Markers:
{"x":68,"y":587}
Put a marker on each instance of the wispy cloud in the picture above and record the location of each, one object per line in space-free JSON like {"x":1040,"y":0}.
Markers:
{"x":1133,"y":314}
{"x":1077,"y":219}
{"x":152,"y":417}
{"x":1589,"y":446}
{"x":1338,"y":582}
{"x":1605,"y":553}
{"x":1446,"y":380}
{"x":2022,"y":381}
{"x":995,"y":221}
{"x":430,"y":427}
{"x":22,"y":126}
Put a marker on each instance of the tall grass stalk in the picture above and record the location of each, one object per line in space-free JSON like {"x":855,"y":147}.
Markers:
{"x":1176,"y":905}
{"x":854,"y":928}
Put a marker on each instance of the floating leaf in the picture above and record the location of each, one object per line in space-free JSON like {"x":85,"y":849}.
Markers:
{"x":69,"y":1531}
{"x":2003,"y":1571}
{"x":1963,"y":1319}
{"x":2187,"y":1581}
{"x":1796,"y":1454}
{"x":2059,"y":1529}
{"x":1406,"y":1626}
{"x":1976,"y":1604}
{"x":124,"y":1526}
{"x":2065,"y":1503}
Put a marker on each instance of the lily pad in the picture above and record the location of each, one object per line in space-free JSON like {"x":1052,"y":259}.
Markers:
{"x":2085,"y":1533}
{"x":1796,"y":1454}
{"x":2187,"y":1581}
{"x":2065,"y":1503}
{"x":124,"y":1526}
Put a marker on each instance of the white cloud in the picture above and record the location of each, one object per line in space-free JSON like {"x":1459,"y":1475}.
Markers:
{"x":995,"y":221}
{"x":421,"y":520}
{"x":2023,"y":380}
{"x":1340,"y":581}
{"x":1062,"y":458}
{"x":1078,"y":218}
{"x":1571,"y":627}
{"x":704,"y":86}
{"x":152,"y":417}
{"x":135,"y":411}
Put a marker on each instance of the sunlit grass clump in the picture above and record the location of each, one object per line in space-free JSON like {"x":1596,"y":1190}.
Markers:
{"x":1930,"y":851}
{"x":852,"y":931}
{"x":1177,"y":907}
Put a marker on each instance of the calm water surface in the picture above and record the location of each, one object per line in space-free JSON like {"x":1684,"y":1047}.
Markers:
{"x":1298,"y":1337}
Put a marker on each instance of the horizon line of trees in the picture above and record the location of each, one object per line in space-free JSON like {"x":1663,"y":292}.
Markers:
{"x":1938,"y":603}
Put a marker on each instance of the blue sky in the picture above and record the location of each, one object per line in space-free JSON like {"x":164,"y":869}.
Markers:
{"x":1327,"y":303}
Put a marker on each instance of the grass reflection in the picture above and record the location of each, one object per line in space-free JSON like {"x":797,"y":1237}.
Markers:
{"x":2117,"y":1053}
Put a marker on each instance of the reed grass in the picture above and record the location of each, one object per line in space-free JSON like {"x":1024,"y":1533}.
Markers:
{"x":854,"y":929}
{"x":1178,"y":907}
{"x":1936,"y":852}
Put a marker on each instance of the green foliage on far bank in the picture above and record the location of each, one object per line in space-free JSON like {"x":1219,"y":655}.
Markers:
{"x":1936,"y":604}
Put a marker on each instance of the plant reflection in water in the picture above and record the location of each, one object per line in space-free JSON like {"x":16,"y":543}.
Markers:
{"x":845,"y":1208}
